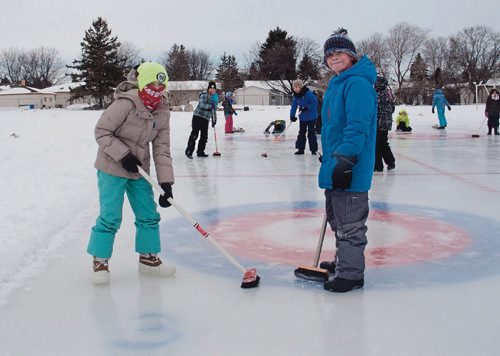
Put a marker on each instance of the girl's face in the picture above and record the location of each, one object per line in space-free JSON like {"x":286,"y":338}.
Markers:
{"x":339,"y":62}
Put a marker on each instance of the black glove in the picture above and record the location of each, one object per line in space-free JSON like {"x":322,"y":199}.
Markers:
{"x":342,"y":172}
{"x":433,"y":110}
{"x":303,"y":109}
{"x":130,"y":163}
{"x":293,"y":118}
{"x":449,"y":108}
{"x":167,"y":188}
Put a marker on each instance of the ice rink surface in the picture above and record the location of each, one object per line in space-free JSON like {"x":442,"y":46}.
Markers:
{"x":432,"y":284}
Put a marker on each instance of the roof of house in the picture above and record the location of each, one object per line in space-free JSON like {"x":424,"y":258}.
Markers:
{"x":61,"y":88}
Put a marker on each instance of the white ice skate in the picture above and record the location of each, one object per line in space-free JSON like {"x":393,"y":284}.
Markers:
{"x":152,"y":265}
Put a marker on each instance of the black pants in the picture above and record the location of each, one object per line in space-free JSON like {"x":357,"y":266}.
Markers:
{"x":402,"y":127}
{"x":307,"y":127}
{"x":492,"y":123}
{"x":199,"y":126}
{"x":383,"y":151}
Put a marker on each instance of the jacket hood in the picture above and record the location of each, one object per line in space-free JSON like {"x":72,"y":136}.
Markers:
{"x":363,"y":68}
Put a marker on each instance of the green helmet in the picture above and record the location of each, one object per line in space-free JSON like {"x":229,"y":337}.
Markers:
{"x":150,"y":72}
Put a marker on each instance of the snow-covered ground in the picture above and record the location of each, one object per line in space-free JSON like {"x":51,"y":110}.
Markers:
{"x":433,"y":271}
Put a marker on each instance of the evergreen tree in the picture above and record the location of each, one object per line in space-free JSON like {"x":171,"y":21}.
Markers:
{"x":177,"y":63}
{"x":418,"y":69}
{"x":100,"y":67}
{"x":277,"y":56}
{"x":308,"y":68}
{"x":228,"y":73}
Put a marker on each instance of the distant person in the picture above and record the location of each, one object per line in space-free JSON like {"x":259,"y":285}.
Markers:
{"x":278,"y":126}
{"x":137,"y":119}
{"x":492,"y":111}
{"x":319,"y":97}
{"x":229,"y":111}
{"x":439,"y":101}
{"x":348,"y":136}
{"x":403,"y":122}
{"x":306,"y":102}
{"x":203,"y":114}
{"x":385,"y":108}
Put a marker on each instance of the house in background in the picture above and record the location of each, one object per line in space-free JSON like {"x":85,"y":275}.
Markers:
{"x":184,"y":92}
{"x":57,"y":96}
{"x":27,"y":97}
{"x":62,"y":94}
{"x":256,"y":92}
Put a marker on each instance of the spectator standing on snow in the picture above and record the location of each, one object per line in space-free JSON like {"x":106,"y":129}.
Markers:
{"x":385,"y":108}
{"x":138,"y":117}
{"x":439,"y":101}
{"x":229,"y":111}
{"x":348,"y":136}
{"x":204,"y":112}
{"x":306,"y":102}
{"x":492,"y":111}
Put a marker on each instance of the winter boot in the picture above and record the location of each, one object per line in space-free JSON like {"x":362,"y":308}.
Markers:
{"x":391,"y":167}
{"x":189,"y":153}
{"x":341,"y":285}
{"x":151,"y":264}
{"x":313,"y":153}
{"x":101,"y":271}
{"x":202,"y":154}
{"x":299,"y":152}
{"x":328,"y":265}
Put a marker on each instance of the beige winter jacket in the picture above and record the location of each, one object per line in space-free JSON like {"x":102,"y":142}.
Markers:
{"x":128,"y":126}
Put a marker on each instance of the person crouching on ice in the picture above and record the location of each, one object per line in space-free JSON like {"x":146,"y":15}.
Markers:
{"x":403,"y":122}
{"x":138,"y":117}
{"x":278,"y":127}
{"x":348,"y":137}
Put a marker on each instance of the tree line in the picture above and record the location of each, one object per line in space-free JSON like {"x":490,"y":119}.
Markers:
{"x":416,"y":62}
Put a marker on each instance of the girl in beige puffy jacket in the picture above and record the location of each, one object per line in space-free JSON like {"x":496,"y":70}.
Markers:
{"x":138,"y":117}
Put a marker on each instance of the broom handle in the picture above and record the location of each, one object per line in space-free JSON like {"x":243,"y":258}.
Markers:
{"x":215,"y":134}
{"x":320,"y":241}
{"x":197,"y":226}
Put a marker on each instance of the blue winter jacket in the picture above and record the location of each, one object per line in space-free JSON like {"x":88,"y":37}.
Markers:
{"x":439,"y":100}
{"x":305,"y":99}
{"x":349,"y":118}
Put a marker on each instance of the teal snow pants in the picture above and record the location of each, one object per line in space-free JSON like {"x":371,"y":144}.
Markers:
{"x":112,"y":190}
{"x":441,"y":117}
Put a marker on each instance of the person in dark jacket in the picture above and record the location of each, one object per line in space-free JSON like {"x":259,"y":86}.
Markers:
{"x":385,"y":108}
{"x":204,"y":112}
{"x":348,"y":135}
{"x":279,"y":127}
{"x":306,"y":102}
{"x":492,"y":111}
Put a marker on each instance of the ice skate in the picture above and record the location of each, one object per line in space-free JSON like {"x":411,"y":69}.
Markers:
{"x":152,"y":265}
{"x":101,"y":272}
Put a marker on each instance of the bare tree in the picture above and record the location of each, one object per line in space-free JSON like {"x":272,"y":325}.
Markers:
{"x":129,"y":53}
{"x":43,"y":67}
{"x":376,"y":48}
{"x":475,"y":53}
{"x":11,"y":64}
{"x":403,"y":43}
{"x":436,"y":52}
{"x":200,"y":65}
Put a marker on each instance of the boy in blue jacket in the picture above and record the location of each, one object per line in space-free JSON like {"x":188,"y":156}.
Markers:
{"x":349,"y":118}
{"x":307,"y":103}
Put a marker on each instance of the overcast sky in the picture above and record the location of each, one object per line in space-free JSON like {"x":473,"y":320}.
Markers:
{"x":221,"y":25}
